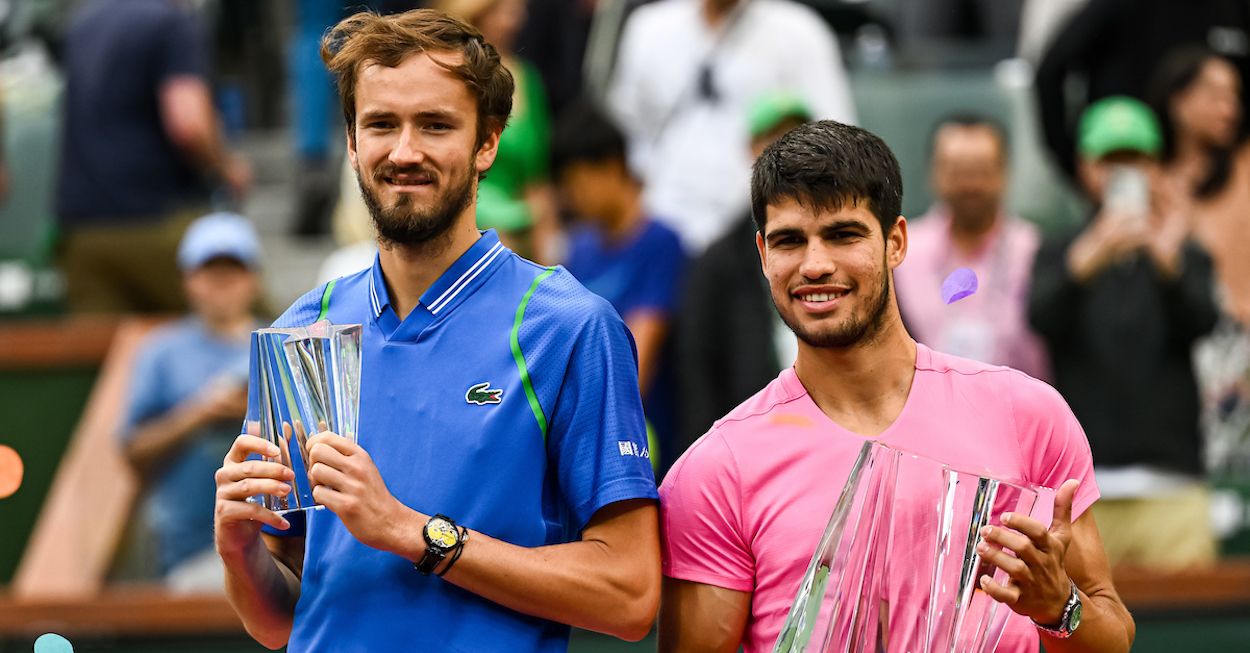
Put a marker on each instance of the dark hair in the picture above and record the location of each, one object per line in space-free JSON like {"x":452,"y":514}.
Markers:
{"x":970,"y":119}
{"x":367,"y":38}
{"x":1179,"y":69}
{"x":828,"y":164}
{"x":583,"y":133}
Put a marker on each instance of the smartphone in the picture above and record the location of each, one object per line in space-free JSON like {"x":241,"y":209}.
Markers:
{"x":1128,"y":191}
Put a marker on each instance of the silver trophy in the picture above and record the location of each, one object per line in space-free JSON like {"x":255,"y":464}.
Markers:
{"x":897,"y":567}
{"x":302,"y":381}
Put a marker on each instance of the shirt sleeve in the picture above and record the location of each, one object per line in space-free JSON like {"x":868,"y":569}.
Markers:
{"x":147,"y":398}
{"x":597,"y":439}
{"x":1052,"y":443}
{"x":184,"y":48}
{"x":702,"y":538}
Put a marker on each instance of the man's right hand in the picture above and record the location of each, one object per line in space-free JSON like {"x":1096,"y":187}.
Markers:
{"x":1109,"y":239}
{"x":236,"y":522}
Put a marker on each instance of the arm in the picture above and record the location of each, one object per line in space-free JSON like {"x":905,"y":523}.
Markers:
{"x":650,"y":329}
{"x":262,"y":573}
{"x":190,"y":121}
{"x":155,"y":438}
{"x":1054,"y":296}
{"x":608,"y":582}
{"x":1044,"y":560}
{"x":698,"y":618}
{"x":1189,"y":297}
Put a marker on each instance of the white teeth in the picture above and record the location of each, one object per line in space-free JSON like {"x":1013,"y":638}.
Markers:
{"x":819,"y":298}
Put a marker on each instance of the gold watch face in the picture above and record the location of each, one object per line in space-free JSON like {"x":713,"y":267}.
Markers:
{"x":441,"y":533}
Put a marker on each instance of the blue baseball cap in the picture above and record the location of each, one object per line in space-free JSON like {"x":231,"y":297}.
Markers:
{"x":219,"y":234}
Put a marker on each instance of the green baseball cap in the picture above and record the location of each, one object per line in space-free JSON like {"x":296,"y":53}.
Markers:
{"x":768,"y":110}
{"x":1119,"y":123}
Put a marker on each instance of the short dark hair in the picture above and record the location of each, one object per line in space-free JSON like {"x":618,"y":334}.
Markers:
{"x":584,"y":133}
{"x":367,"y":38}
{"x":828,"y":164}
{"x":969,"y":119}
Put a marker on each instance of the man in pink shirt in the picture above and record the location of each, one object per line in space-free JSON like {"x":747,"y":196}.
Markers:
{"x":967,"y":228}
{"x":743,"y":510}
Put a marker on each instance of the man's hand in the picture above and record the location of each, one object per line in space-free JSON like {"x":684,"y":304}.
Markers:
{"x":1038,"y":586}
{"x":1111,"y":238}
{"x":346,"y":481}
{"x":237,"y":523}
{"x":222,"y":402}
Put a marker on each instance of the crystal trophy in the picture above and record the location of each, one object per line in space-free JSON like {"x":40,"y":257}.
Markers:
{"x":897,"y":567}
{"x":302,"y":381}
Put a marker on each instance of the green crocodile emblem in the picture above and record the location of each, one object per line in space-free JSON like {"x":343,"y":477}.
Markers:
{"x":482,"y":394}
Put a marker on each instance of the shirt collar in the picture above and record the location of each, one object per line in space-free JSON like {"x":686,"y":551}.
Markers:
{"x":446,"y":292}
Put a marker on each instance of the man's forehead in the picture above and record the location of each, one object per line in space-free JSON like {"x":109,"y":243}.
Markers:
{"x":807,"y":214}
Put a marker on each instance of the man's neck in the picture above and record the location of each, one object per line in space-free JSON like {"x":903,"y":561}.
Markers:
{"x":410,"y":270}
{"x":969,"y":235}
{"x":862,"y":389}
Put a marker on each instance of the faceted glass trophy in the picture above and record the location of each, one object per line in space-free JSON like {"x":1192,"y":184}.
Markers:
{"x":897,"y":567}
{"x":302,"y":381}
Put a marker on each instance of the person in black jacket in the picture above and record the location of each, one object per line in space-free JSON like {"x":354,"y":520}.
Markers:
{"x":731,"y":343}
{"x":1114,"y":46}
{"x":1120,"y":305}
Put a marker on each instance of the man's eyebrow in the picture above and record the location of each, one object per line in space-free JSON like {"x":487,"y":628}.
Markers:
{"x":784,"y":232}
{"x":844,"y":224}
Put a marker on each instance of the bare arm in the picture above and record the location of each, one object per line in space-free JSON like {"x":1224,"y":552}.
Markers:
{"x":649,"y":329}
{"x":190,"y":121}
{"x":1045,"y":560}
{"x":155,"y":438}
{"x":608,"y":582}
{"x":698,"y":618}
{"x":262,"y":573}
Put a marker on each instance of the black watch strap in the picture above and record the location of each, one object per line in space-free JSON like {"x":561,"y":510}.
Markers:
{"x":441,"y":537}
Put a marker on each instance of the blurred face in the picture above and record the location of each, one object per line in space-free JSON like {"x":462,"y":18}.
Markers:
{"x":969,"y":173}
{"x":415,"y":150}
{"x":221,"y":290}
{"x":500,"y":22}
{"x":1095,"y":173}
{"x":588,"y":187}
{"x":761,"y":142}
{"x":829,"y":271}
{"x":1209,"y":109}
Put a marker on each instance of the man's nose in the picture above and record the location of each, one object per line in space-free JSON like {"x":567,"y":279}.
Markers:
{"x":407,"y":150}
{"x":817,"y":260}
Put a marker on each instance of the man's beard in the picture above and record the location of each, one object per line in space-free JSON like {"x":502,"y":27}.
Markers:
{"x":853,"y":331}
{"x":405,"y":224}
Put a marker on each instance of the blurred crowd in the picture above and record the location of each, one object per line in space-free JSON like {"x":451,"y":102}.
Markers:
{"x":626,"y":160}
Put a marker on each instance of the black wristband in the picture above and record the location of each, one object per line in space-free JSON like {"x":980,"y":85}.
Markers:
{"x":464,"y":539}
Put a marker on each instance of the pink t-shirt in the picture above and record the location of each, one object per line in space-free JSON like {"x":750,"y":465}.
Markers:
{"x":746,"y":505}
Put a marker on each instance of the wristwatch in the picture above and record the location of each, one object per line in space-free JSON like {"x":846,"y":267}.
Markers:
{"x":441,"y":537}
{"x":1071,"y":617}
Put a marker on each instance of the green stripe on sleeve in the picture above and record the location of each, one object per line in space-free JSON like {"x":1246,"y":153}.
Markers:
{"x":325,"y":300}
{"x":520,"y":358}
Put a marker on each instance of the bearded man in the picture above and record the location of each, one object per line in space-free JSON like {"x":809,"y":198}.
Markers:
{"x":744,"y":509}
{"x":502,"y":445}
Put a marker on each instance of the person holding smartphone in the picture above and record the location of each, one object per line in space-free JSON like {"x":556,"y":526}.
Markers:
{"x":1120,"y":303}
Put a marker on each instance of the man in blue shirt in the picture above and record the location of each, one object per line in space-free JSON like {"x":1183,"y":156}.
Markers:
{"x":188,"y":394}
{"x":501,"y":438}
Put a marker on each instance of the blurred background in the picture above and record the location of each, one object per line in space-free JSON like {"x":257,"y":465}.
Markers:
{"x":126,"y":121}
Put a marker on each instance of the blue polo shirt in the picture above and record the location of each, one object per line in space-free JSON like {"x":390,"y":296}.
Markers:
{"x":566,"y":438}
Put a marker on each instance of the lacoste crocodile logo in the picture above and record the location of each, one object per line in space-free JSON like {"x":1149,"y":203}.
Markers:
{"x":482,"y":394}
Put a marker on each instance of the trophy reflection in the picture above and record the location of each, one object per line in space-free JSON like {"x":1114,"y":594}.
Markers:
{"x":302,"y":381}
{"x":897,"y":567}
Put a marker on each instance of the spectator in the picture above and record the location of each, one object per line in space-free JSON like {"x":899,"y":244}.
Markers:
{"x":188,"y":396}
{"x":520,"y":170}
{"x":1115,"y":45}
{"x":968,"y":227}
{"x":731,"y":342}
{"x":140,"y":138}
{"x":622,"y":255}
{"x":1120,"y":305}
{"x":686,"y":73}
{"x":1198,"y":96}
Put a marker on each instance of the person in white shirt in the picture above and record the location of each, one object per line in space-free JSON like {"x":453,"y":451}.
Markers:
{"x":685,"y":74}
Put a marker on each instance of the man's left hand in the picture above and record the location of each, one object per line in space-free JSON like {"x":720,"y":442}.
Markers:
{"x":1038,"y":584}
{"x":346,"y":481}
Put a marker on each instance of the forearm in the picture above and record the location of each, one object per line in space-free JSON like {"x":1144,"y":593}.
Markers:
{"x":263,"y":593}
{"x":157,"y":437}
{"x":588,"y":584}
{"x":1106,"y":627}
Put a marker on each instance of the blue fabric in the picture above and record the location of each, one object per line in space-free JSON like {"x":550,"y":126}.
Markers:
{"x":311,"y":84}
{"x":487,"y":466}
{"x":116,"y":160}
{"x":643,"y":274}
{"x":175,"y":363}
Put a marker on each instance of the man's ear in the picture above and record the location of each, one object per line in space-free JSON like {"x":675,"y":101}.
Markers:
{"x":896,"y":243}
{"x":487,"y":152}
{"x":759,"y":245}
{"x":350,"y":130}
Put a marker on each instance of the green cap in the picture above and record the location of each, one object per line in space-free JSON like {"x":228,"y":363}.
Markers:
{"x":1119,"y":123}
{"x":769,"y":109}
